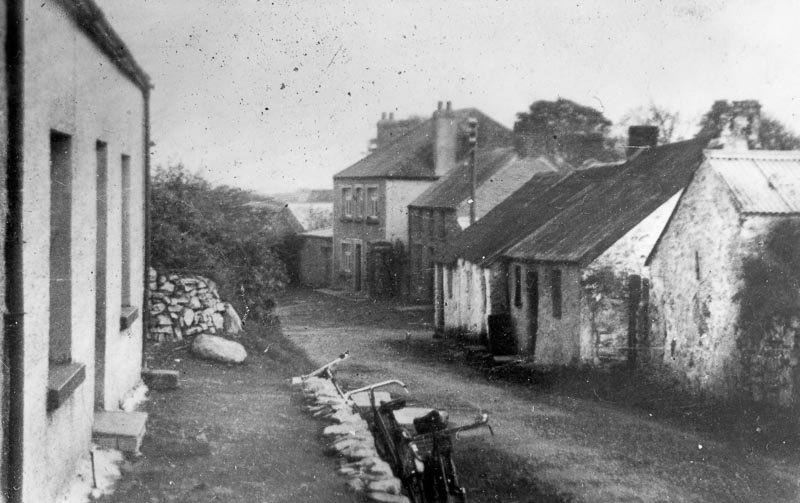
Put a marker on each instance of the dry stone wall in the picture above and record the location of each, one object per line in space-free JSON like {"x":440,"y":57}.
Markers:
{"x":187,"y":305}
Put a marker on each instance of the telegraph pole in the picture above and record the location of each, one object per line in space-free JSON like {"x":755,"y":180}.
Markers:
{"x":473,"y":145}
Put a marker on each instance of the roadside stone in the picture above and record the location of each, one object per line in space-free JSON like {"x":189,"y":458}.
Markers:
{"x":232,"y":323}
{"x":383,"y":497}
{"x":218,"y":349}
{"x":387,"y":485}
{"x":355,"y":484}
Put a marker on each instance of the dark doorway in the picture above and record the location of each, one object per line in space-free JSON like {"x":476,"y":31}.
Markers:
{"x":439,"y":297}
{"x":532,"y":292}
{"x":357,"y":269}
{"x":101,"y":254}
{"x":634,"y":298}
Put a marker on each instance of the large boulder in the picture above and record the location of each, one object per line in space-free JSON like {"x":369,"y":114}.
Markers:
{"x":218,"y":349}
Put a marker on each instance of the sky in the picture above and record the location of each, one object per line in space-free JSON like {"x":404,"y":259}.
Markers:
{"x":278,"y":95}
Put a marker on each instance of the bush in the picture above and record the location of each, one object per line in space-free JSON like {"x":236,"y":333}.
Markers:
{"x":228,"y":234}
{"x":771,"y":289}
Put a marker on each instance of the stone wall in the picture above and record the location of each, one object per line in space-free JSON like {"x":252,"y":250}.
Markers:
{"x":186,"y":306}
{"x":695,"y":276}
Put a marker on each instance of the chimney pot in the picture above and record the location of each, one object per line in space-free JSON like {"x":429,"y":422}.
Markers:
{"x":449,"y":106}
{"x":439,"y":106}
{"x":391,"y":116}
{"x":383,"y":116}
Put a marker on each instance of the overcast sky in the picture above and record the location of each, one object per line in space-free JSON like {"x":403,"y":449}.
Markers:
{"x":276,"y":95}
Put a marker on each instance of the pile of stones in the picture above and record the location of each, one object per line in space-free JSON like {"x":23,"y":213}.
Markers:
{"x":186,"y":306}
{"x":351,"y":440}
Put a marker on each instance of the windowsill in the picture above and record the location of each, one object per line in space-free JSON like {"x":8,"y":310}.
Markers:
{"x":373,"y":220}
{"x":127,"y":315}
{"x":63,"y":380}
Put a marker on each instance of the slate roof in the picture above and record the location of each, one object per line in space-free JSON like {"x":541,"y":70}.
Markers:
{"x":760,"y":181}
{"x":592,"y":223}
{"x":455,"y":187}
{"x":532,"y":205}
{"x":411,"y":156}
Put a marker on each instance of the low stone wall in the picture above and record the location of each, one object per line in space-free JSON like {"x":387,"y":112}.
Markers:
{"x":351,"y":440}
{"x":186,"y":306}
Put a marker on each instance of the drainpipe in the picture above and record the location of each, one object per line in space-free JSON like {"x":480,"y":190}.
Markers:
{"x":13,"y":319}
{"x":145,"y":310}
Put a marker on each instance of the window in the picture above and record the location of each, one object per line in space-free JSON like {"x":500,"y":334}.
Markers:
{"x":347,"y":202}
{"x":441,"y":230}
{"x":347,"y":257}
{"x":555,"y":289}
{"x":64,"y":375}
{"x":372,"y":204}
{"x":358,"y":201}
{"x":429,"y":223}
{"x":126,"y":229}
{"x":60,"y":248}
{"x":449,"y":282}
{"x":517,"y":286}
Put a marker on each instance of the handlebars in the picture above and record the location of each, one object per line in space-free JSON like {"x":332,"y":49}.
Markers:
{"x":482,"y":420}
{"x":328,"y":366}
{"x":372,"y":387}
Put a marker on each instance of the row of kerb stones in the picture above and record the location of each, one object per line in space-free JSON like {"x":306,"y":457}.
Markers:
{"x":351,"y":440}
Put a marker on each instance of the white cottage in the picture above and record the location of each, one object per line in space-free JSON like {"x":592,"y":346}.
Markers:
{"x":76,"y":165}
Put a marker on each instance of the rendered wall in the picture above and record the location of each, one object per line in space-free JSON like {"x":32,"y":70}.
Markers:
{"x":606,"y":287}
{"x":399,"y":194}
{"x":557,"y":338}
{"x":466,"y":304}
{"x":315,"y":265}
{"x":695,"y":274}
{"x":71,"y":87}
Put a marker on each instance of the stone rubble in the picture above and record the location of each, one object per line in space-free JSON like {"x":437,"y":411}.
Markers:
{"x":351,"y":439}
{"x":187,"y":305}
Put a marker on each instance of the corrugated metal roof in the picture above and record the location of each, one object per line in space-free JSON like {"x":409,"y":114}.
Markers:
{"x":600,"y":217}
{"x":761,"y":181}
{"x":411,"y":155}
{"x":536,"y":202}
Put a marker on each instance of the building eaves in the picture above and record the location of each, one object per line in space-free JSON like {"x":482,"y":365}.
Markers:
{"x":595,"y":222}
{"x":542,"y":198}
{"x":91,"y":20}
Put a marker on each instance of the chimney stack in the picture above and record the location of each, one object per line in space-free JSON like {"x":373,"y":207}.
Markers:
{"x":445,"y":131}
{"x":641,"y":138}
{"x":740,"y":126}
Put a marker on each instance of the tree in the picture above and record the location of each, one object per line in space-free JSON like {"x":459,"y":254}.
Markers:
{"x":566,"y":129}
{"x":319,"y":218}
{"x":218,"y":232}
{"x":654,"y":115}
{"x":772,"y":134}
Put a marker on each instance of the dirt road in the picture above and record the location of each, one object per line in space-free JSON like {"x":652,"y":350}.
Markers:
{"x":550,"y":445}
{"x":231,"y":433}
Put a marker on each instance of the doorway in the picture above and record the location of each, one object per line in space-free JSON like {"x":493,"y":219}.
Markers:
{"x":532,"y":293}
{"x":357,"y":269}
